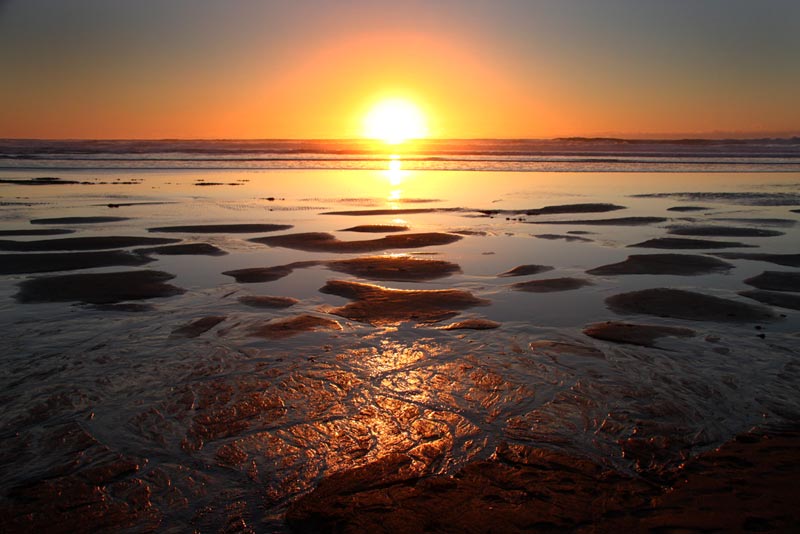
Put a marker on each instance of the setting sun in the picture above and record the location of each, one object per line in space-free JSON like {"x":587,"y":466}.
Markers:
{"x":395,"y":121}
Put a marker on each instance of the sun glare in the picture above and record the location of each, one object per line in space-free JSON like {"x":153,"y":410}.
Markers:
{"x":395,"y":121}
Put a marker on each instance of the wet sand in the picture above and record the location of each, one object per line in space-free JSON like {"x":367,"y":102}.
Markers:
{"x":377,"y":305}
{"x":409,"y":381}
{"x":323,"y":242}
{"x":528,"y":489}
{"x":551,"y":285}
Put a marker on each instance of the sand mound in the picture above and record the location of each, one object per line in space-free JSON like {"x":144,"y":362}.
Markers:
{"x":551,"y":285}
{"x":82,"y":243}
{"x":789,"y":260}
{"x":674,"y":264}
{"x":472,"y":324}
{"x":198,"y":327}
{"x":775,"y":281}
{"x":376,"y":228}
{"x":324,"y":242}
{"x":395,"y":268}
{"x":222,"y":228}
{"x":99,"y":288}
{"x":184,"y":249}
{"x":526,"y":270}
{"x":723,"y":231}
{"x":37,"y":231}
{"x":266,"y":301}
{"x":619,"y":221}
{"x":254,"y":275}
{"x":688,"y":305}
{"x":377,"y":305}
{"x":644,"y":335}
{"x":781,"y":300}
{"x":79,"y":220}
{"x":283,"y":328}
{"x":67,"y":261}
{"x":568,"y":238}
{"x":685,"y":243}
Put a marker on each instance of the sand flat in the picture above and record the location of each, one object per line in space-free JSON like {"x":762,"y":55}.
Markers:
{"x":324,"y":242}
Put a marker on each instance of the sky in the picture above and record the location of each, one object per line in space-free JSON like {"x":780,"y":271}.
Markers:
{"x":150,"y":69}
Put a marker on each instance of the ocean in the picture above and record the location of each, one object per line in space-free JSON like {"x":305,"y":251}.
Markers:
{"x":556,"y":155}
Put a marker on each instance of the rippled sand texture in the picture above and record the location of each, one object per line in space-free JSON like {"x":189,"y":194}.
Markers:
{"x":305,"y":352}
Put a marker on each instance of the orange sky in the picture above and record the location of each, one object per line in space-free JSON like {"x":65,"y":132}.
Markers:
{"x":202,"y":69}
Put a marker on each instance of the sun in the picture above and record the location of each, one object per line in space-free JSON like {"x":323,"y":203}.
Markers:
{"x":395,"y":121}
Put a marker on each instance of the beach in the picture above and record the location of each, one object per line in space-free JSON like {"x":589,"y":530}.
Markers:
{"x":351,"y":350}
